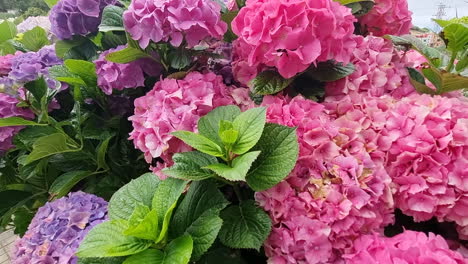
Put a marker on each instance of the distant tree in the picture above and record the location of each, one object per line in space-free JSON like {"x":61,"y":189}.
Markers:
{"x":22,"y":5}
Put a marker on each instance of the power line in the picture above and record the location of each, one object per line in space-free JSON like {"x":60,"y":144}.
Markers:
{"x":440,"y":14}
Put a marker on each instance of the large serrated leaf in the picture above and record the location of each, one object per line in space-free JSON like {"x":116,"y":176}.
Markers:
{"x":35,"y":39}
{"x":127,"y":198}
{"x":239,"y":168}
{"x":143,"y":223}
{"x":84,"y":69}
{"x":200,"y":143}
{"x":245,"y":226}
{"x":7,"y":30}
{"x":269,"y":82}
{"x":107,"y":240}
{"x":49,"y":145}
{"x":330,"y":71}
{"x":457,"y":36}
{"x":249,"y":125}
{"x":208,"y":125}
{"x":189,"y":166}
{"x":279,"y":151}
{"x":65,"y":182}
{"x":112,"y":19}
{"x":17,"y":121}
{"x":126,"y":55}
{"x":167,"y":193}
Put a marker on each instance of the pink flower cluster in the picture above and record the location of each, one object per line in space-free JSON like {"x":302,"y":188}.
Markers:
{"x":335,"y":193}
{"x":5,"y":63}
{"x":407,"y":248}
{"x":120,"y":76}
{"x":290,"y":35}
{"x":388,"y":17}
{"x":8,"y":108}
{"x":177,"y":105}
{"x":380,"y":70}
{"x":174,"y":21}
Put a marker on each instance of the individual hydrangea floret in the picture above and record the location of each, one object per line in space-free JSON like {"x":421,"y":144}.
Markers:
{"x":116,"y":76}
{"x":174,"y":21}
{"x":58,"y":228}
{"x":335,"y":193}
{"x":380,"y":70}
{"x":290,"y":35}
{"x":407,"y":247}
{"x":8,"y":108}
{"x":177,"y":105}
{"x":77,"y":17}
{"x":388,"y":17}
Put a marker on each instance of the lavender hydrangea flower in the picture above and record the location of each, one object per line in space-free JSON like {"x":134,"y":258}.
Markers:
{"x":77,"y":17}
{"x":58,"y":228}
{"x":32,"y":22}
{"x":8,"y":108}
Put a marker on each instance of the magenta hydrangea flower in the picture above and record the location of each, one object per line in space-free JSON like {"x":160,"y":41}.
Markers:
{"x":177,"y":105}
{"x":58,"y":228}
{"x":409,"y":247}
{"x":335,"y":193}
{"x":174,"y":21}
{"x":8,"y":108}
{"x":5,"y":63}
{"x":77,"y":17}
{"x":116,"y":76}
{"x":388,"y":17}
{"x":290,"y":35}
{"x":380,"y":70}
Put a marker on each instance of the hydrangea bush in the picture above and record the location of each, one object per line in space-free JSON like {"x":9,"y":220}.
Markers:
{"x":258,"y":131}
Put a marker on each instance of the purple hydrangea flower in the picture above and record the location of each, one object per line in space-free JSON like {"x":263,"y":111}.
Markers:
{"x":77,"y":17}
{"x":120,"y":76}
{"x":8,"y":108}
{"x":58,"y":228}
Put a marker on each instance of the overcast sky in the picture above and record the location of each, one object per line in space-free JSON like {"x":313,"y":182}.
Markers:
{"x":424,"y":10}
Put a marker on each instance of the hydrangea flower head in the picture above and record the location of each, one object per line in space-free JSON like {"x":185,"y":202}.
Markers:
{"x":77,"y":17}
{"x":407,"y":247}
{"x":388,"y":17}
{"x":32,"y":22}
{"x":120,"y":76}
{"x":174,"y":21}
{"x":291,"y":35}
{"x":335,"y":193}
{"x":177,"y":105}
{"x":8,"y":108}
{"x":58,"y":228}
{"x":5,"y":63}
{"x":380,"y":70}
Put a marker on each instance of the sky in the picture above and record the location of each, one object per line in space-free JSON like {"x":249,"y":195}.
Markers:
{"x":424,"y":10}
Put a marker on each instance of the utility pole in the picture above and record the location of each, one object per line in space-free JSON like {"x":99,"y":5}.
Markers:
{"x":440,"y":14}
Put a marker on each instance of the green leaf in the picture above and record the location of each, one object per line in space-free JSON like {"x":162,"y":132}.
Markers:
{"x":51,"y":3}
{"x":127,"y":198}
{"x":269,"y":82}
{"x":442,"y":23}
{"x":126,"y":55}
{"x":107,"y":240}
{"x":167,"y":193}
{"x":176,"y":252}
{"x":208,"y":125}
{"x":418,"y":81}
{"x":239,"y":169}
{"x":17,"y":121}
{"x":228,"y":17}
{"x":179,"y":59}
{"x":457,"y":36}
{"x":7,"y":31}
{"x":245,"y":226}
{"x":279,"y":152}
{"x":6,"y":48}
{"x":35,"y":39}
{"x":11,"y":197}
{"x":189,"y":166}
{"x":101,"y":154}
{"x":359,"y":7}
{"x":452,"y":82}
{"x":222,"y":255}
{"x":114,"y":260}
{"x":112,"y":40}
{"x":112,"y":19}
{"x":330,"y":71}
{"x":200,"y":143}
{"x":51,"y":144}
{"x":65,"y":182}
{"x":38,"y":89}
{"x":198,"y":215}
{"x":84,"y":69}
{"x":250,"y":126}
{"x":229,"y":137}
{"x":143,"y":223}
{"x":62,"y":47}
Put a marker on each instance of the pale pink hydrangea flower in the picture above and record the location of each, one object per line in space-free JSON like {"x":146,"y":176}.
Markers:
{"x":174,"y":21}
{"x":335,"y":193}
{"x":409,"y":247}
{"x":290,"y":35}
{"x":175,"y":105}
{"x":380,"y":70}
{"x":5,"y":63}
{"x":388,"y":17}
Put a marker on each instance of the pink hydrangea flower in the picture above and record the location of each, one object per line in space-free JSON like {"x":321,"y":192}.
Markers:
{"x":174,"y":21}
{"x":335,"y":193}
{"x":380,"y":70}
{"x":5,"y":63}
{"x":388,"y":17}
{"x":409,"y":247}
{"x":177,"y":105}
{"x":120,"y":76}
{"x":290,"y":35}
{"x":8,"y":108}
